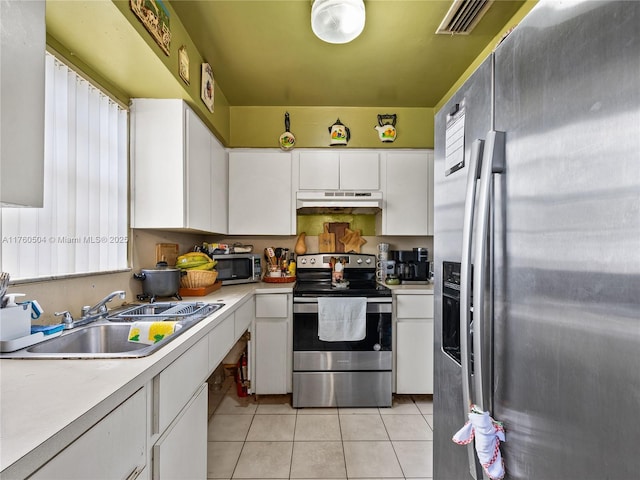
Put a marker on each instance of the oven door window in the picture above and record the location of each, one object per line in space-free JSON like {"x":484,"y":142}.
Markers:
{"x":305,"y":334}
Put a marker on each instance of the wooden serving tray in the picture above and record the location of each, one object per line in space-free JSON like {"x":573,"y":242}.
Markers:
{"x":268,"y":279}
{"x":199,"y":292}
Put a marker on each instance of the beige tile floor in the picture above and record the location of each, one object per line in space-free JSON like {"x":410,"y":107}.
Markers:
{"x":268,"y":439}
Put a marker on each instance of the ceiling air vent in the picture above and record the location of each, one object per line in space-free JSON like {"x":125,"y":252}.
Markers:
{"x":463,"y":16}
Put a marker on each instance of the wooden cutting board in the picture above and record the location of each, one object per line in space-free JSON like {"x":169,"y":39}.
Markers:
{"x":339,"y":229}
{"x":326,"y":241}
{"x":167,"y":252}
{"x":352,"y":241}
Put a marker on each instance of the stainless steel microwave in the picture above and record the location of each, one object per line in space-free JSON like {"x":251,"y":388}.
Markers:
{"x":238,"y":268}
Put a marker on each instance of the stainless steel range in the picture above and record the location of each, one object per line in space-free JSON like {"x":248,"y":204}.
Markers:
{"x":341,"y":333}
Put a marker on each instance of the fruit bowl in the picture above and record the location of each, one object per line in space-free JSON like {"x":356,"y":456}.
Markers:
{"x":198,"y":278}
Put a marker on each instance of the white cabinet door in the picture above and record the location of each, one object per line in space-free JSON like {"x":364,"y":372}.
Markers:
{"x":414,"y":343}
{"x":221,"y":340}
{"x":175,"y":385}
{"x":271,"y":356}
{"x":244,"y":316}
{"x":260,"y":196}
{"x":319,"y":170}
{"x":414,"y":361}
{"x":326,"y":170}
{"x":113,"y":448}
{"x":178,"y":169}
{"x":181,"y":452}
{"x":408,"y":193}
{"x":219,"y":187}
{"x":198,"y":172}
{"x":359,"y":171}
{"x":273,"y":348}
{"x":22,"y":107}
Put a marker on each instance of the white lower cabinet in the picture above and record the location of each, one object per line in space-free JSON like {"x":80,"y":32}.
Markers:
{"x":414,"y":344}
{"x":181,"y":451}
{"x":273,"y":344}
{"x":175,"y":385}
{"x":245,"y":314}
{"x":114,"y":448}
{"x":221,"y":340}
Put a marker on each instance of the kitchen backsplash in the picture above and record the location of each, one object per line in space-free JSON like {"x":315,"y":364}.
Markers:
{"x":73,"y":293}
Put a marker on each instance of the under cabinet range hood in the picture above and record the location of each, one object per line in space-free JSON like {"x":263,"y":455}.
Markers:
{"x":324,"y":202}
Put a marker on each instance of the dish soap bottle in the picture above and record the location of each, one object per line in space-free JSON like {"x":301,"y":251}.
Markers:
{"x":291,"y":268}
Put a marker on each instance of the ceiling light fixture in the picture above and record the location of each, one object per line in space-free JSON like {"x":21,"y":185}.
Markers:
{"x":337,"y":21}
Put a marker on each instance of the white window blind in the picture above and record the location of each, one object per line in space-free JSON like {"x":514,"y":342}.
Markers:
{"x":82,"y":227}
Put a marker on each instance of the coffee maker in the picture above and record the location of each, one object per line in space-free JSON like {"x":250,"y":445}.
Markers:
{"x":412,"y":266}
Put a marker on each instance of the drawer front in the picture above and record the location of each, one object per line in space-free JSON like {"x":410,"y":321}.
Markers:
{"x":221,"y":340}
{"x":120,"y":435}
{"x":181,"y":452}
{"x":175,"y":385}
{"x":414,"y":306}
{"x":272,"y":306}
{"x":244,"y":316}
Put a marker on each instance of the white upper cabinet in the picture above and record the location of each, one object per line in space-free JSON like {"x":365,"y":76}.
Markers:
{"x":178,"y":169}
{"x":260,"y":193}
{"x":408,"y":193}
{"x":22,"y":106}
{"x":331,"y":170}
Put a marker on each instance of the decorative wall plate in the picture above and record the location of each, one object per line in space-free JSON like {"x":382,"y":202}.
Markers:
{"x":183,"y":64}
{"x":206,"y":92}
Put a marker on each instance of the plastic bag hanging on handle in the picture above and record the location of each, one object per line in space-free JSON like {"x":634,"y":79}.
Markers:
{"x":488,"y":434}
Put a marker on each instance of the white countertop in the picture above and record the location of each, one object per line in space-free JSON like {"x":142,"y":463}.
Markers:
{"x":46,"y":404}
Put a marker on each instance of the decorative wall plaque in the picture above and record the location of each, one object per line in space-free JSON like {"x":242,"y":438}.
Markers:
{"x":183,"y":64}
{"x":206,"y":92}
{"x":155,"y":17}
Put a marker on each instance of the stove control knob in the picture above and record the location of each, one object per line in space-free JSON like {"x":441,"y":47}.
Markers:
{"x":312,"y":261}
{"x":303,"y":261}
{"x":359,"y":261}
{"x":368,"y":260}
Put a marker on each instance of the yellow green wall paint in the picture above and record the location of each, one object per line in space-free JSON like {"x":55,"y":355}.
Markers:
{"x":107,"y":42}
{"x":314,"y":224}
{"x":219,"y":119}
{"x":260,"y":127}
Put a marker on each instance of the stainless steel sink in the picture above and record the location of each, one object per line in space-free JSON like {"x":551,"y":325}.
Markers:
{"x":109,"y":337}
{"x":95,"y":340}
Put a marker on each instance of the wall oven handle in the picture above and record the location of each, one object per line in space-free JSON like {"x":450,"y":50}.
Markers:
{"x":492,"y":163}
{"x":473,"y":175}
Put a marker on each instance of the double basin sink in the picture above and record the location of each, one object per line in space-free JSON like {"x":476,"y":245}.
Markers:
{"x":108,"y":337}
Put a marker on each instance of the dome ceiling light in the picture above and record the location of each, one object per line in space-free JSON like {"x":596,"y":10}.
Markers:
{"x":337,"y":21}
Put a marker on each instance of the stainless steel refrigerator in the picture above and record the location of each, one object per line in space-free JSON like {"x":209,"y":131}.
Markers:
{"x":537,"y":248}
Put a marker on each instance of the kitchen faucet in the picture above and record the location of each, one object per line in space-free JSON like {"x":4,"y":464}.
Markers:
{"x":89,"y":314}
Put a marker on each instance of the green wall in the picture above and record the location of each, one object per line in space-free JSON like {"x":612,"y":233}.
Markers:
{"x":262,"y":126}
{"x":113,"y":38}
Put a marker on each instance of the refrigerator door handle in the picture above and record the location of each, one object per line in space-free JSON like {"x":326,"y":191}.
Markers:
{"x":473,"y":175}
{"x":493,"y":162}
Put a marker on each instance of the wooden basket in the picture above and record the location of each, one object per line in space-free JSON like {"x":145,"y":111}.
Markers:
{"x":198,"y":278}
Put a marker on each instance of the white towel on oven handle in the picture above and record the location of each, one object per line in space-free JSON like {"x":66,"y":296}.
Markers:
{"x":342,"y":319}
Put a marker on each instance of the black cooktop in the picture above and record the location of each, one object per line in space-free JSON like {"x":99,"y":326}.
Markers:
{"x":314,"y":276}
{"x":328,"y":289}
